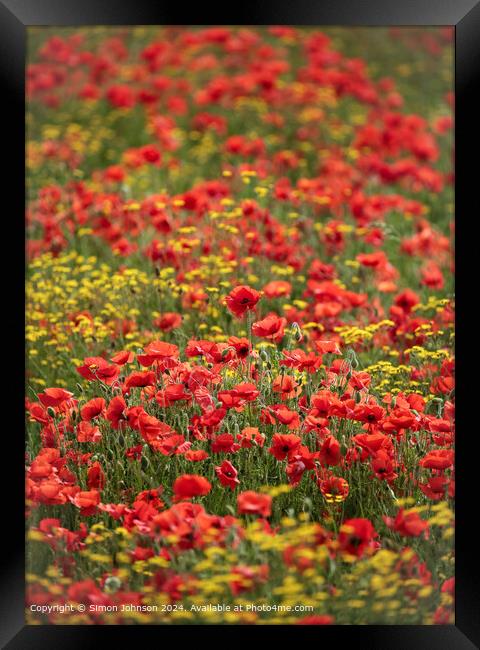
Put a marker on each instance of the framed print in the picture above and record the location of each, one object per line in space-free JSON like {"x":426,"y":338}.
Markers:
{"x":238,"y":296}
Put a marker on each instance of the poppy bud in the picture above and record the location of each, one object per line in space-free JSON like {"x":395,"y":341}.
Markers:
{"x":112,"y":584}
{"x":297,"y":332}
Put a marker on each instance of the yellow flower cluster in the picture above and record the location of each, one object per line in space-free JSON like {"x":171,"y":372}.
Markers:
{"x":384,"y":587}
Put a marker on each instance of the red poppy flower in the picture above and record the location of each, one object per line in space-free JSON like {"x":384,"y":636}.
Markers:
{"x":121,"y":96}
{"x":93,"y":408}
{"x":300,"y":360}
{"x":96,"y":368}
{"x":50,"y":492}
{"x":241,"y":345}
{"x":286,"y":386}
{"x":438,"y":459}
{"x":435,"y":488}
{"x":87,"y":432}
{"x":271,"y":328}
{"x":356,"y":535}
{"x":328,"y":309}
{"x":227,"y":475}
{"x":168,"y":321}
{"x":170,"y":445}
{"x":283,"y":445}
{"x":254,"y":503}
{"x":333,"y":488}
{"x":123,"y":357}
{"x":86,"y":501}
{"x":173,"y":393}
{"x":242,"y":299}
{"x":134,"y":453}
{"x":407,"y":300}
{"x":279,"y":413}
{"x":230,"y":399}
{"x":115,"y":413}
{"x":224,"y":443}
{"x":407,"y":523}
{"x":372,"y":442}
{"x":383,"y":466}
{"x":96,"y":476}
{"x":277,"y":289}
{"x":195,"y":455}
{"x":299,"y":461}
{"x":250,"y":436}
{"x":248,"y":392}
{"x":432,"y":276}
{"x":448,"y":587}
{"x":38,"y":413}
{"x":141,"y":554}
{"x":330,"y":453}
{"x":368,"y":413}
{"x":139,"y":379}
{"x":150,"y":153}
{"x":330,"y":347}
{"x":166,"y":354}
{"x":54,"y":396}
{"x":152,"y":429}
{"x":188,"y":486}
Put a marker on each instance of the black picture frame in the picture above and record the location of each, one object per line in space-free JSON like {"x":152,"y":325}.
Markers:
{"x":15,"y":17}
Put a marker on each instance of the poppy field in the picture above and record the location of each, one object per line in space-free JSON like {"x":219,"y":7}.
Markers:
{"x":240,"y":326}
